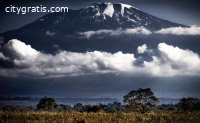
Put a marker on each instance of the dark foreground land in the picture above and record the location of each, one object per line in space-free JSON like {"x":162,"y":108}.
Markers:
{"x":98,"y":117}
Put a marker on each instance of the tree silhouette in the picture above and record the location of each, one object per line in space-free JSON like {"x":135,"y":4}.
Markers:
{"x":46,"y":104}
{"x":78,"y":107}
{"x":140,"y":100}
{"x":187,"y":104}
{"x":93,"y":108}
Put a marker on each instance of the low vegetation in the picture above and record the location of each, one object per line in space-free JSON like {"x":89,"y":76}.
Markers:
{"x":99,"y":117}
{"x":141,"y":107}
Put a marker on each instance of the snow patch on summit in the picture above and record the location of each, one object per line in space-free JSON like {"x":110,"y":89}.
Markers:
{"x":127,"y":6}
{"x":109,"y":10}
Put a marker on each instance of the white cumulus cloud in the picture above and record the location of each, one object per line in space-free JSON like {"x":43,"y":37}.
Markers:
{"x":142,"y":49}
{"x":88,"y":34}
{"x":179,"y":58}
{"x":193,"y":30}
{"x":138,"y":30}
{"x":30,"y":62}
{"x":170,"y":61}
{"x":20,"y":49}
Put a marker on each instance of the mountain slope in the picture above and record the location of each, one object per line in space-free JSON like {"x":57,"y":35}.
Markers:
{"x":61,"y":30}
{"x":97,"y":16}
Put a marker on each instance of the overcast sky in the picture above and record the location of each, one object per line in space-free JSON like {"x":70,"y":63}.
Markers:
{"x":180,"y":11}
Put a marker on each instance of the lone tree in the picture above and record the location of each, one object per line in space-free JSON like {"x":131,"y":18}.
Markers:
{"x":140,"y":100}
{"x":187,"y":104}
{"x":46,"y":104}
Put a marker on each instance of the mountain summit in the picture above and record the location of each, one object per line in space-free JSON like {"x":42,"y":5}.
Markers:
{"x":118,"y":15}
{"x":63,"y":28}
{"x":97,"y":16}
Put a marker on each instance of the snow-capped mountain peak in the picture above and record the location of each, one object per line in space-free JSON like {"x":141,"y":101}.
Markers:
{"x":62,"y":28}
{"x":109,"y":10}
{"x":95,"y":17}
{"x":127,"y":6}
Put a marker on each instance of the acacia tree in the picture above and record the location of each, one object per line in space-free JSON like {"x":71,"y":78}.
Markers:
{"x":46,"y":104}
{"x":140,"y":100}
{"x":187,"y":104}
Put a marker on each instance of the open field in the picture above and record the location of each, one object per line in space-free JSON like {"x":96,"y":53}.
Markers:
{"x":100,"y":117}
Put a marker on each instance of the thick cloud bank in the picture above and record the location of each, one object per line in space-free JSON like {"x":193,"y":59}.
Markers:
{"x":193,"y":30}
{"x":19,"y":59}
